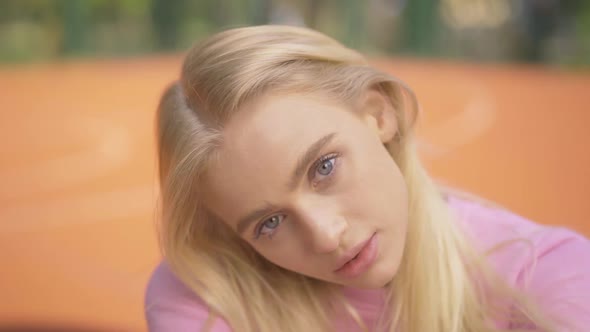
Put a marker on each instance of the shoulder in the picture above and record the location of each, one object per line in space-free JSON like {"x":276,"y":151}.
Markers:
{"x":169,"y":305}
{"x":496,"y":231}
{"x":551,"y":263}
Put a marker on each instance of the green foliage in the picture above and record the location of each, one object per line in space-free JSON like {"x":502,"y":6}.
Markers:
{"x":41,"y":30}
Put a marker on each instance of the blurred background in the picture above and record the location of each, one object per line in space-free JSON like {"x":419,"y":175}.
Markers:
{"x":503,"y":85}
{"x":546,"y":31}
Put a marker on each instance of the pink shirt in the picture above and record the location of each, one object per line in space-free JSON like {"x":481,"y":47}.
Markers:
{"x":559,"y":277}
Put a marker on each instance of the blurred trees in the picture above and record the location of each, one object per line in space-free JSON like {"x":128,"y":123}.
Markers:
{"x":554,"y":31}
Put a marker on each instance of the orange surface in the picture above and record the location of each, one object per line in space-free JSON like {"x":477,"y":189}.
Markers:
{"x":77,"y":170}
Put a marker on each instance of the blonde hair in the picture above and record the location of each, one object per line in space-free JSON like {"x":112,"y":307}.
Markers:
{"x":452,"y":290}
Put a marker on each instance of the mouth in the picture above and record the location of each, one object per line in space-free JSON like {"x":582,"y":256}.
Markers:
{"x":358,"y":259}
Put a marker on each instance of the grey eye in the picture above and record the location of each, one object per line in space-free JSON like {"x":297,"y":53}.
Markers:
{"x":273,"y":222}
{"x":326,"y":167}
{"x":269,"y":226}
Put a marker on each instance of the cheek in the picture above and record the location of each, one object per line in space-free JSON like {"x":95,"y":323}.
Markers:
{"x":284,"y":253}
{"x":379,"y":188}
{"x":287,"y":250}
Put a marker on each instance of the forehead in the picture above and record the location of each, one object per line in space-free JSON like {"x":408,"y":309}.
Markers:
{"x":282,"y":126}
{"x":261,"y":146}
{"x":284,"y":121}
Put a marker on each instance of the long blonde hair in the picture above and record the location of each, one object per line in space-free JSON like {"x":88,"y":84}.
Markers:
{"x":442,"y":283}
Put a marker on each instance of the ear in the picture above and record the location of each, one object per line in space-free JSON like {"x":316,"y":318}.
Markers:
{"x":379,"y":114}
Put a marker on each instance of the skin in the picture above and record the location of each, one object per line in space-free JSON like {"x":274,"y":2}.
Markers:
{"x":350,"y":189}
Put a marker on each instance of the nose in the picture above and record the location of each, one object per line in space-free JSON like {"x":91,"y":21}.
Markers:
{"x":324,"y":228}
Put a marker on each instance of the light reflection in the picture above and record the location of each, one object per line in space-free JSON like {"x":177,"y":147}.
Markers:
{"x":462,"y":14}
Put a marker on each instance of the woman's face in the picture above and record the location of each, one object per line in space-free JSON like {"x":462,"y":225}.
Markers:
{"x":309,"y":184}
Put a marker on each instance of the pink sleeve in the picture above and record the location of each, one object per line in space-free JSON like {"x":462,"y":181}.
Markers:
{"x":560,"y":277}
{"x":171,"y":306}
{"x":557,"y":270}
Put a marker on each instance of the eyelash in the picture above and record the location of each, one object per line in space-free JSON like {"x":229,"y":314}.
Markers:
{"x":332,"y":156}
{"x":320,"y":162}
{"x":261,"y":226}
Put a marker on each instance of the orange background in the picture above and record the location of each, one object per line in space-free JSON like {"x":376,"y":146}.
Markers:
{"x":77,"y":177}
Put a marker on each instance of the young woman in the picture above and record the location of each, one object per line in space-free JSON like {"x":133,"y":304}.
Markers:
{"x":293,"y":200}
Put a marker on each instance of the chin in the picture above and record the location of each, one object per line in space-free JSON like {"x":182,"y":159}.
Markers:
{"x":378,"y":277}
{"x":368,"y":284}
{"x":382,"y":274}
{"x":375,"y":283}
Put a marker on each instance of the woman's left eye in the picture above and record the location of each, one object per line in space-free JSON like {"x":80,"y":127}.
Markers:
{"x":268,"y":226}
{"x":325,"y":167}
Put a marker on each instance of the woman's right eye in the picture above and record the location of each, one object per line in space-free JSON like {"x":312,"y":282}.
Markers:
{"x":269,"y":226}
{"x":324,"y":169}
{"x":326,"y":166}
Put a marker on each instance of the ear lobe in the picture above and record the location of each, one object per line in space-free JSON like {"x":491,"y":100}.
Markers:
{"x":379,"y":115}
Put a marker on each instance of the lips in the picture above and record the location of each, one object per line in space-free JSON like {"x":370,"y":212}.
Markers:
{"x":358,"y":259}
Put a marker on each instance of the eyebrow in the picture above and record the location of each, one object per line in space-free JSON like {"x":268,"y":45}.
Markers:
{"x":302,"y":163}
